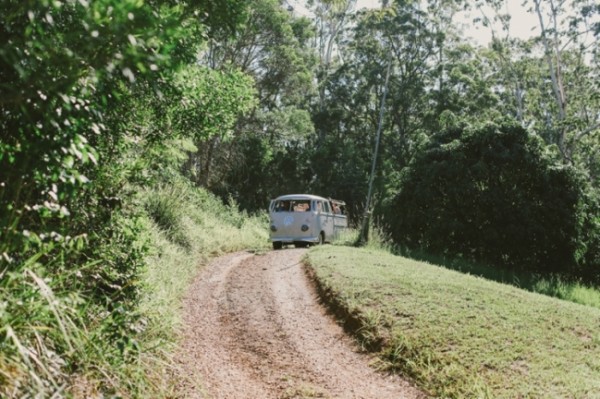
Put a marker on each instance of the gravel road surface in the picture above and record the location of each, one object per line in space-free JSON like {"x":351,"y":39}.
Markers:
{"x":254,"y":328}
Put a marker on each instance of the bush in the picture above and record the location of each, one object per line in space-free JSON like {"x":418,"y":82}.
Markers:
{"x":164,"y":207}
{"x":68,"y":315}
{"x":492,"y":194}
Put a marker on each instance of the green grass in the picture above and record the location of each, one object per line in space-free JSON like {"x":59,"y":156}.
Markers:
{"x":551,"y":285}
{"x":53,"y":339}
{"x":462,"y":336}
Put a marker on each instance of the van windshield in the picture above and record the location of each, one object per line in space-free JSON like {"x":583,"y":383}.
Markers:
{"x":292,"y":206}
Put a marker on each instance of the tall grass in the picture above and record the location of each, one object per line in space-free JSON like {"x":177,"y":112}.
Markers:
{"x":572,"y":291}
{"x":37,"y":326}
{"x":163,"y":205}
{"x":65,"y":322}
{"x":57,"y":341}
{"x":378,"y":239}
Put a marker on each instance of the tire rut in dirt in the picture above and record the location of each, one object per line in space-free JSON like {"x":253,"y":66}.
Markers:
{"x":254,"y":316}
{"x":255,"y":329}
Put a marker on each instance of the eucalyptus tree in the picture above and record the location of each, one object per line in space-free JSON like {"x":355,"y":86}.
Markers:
{"x":346,"y":116}
{"x":272,"y":47}
{"x":560,"y":102}
{"x":558,"y":32}
{"x":401,"y":34}
{"x":442,"y":15}
{"x":331,"y":17}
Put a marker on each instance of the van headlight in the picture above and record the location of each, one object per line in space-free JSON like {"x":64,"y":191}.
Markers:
{"x":304,"y":227}
{"x":273,"y":228}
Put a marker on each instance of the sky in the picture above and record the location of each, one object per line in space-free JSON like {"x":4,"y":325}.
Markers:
{"x":521,"y":21}
{"x":520,"y":26}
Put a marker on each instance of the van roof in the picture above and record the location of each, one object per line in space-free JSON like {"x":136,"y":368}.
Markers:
{"x":288,"y":197}
{"x":299,"y":197}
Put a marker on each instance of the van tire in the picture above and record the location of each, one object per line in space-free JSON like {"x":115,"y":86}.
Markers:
{"x":277,"y":245}
{"x":321,"y":239}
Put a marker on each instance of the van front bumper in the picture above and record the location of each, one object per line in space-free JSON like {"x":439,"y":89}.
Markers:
{"x":291,"y":240}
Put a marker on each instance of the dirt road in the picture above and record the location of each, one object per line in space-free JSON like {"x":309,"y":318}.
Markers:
{"x":254,"y":329}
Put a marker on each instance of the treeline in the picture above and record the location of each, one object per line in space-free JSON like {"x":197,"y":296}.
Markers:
{"x":490,"y":154}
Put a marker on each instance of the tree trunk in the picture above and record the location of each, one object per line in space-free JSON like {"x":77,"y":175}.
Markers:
{"x":553,"y":54}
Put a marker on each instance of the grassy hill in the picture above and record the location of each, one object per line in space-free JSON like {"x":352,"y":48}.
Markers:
{"x":54,"y":342}
{"x":458,"y":335}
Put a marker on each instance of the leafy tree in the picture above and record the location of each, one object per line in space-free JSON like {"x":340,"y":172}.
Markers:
{"x":493,"y":194}
{"x":398,"y":35}
{"x":210,"y":103}
{"x":553,"y":75}
{"x":272,"y":48}
{"x":69,"y":247}
{"x":330,"y":19}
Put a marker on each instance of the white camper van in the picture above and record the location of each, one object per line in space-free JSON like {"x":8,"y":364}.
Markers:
{"x":304,"y":219}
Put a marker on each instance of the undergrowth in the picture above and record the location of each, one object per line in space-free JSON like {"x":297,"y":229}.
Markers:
{"x":99,"y":331}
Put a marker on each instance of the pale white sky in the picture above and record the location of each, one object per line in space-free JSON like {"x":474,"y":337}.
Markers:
{"x":521,"y":24}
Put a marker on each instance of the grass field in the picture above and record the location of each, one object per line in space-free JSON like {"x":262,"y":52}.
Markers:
{"x":461,"y":336}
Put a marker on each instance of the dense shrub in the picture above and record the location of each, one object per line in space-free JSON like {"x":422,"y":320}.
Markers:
{"x":85,"y":88}
{"x":493,"y":194}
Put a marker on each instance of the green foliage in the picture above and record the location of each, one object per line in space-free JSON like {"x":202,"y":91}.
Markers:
{"x":61,"y":63}
{"x":272,"y":47}
{"x":248,"y":181}
{"x":491,"y":194}
{"x":266,"y":171}
{"x":287,"y":125}
{"x":77,"y":81}
{"x":210,"y":101}
{"x":341,"y":168}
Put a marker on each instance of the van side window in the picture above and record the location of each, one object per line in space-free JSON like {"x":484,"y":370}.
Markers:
{"x":326,"y":207}
{"x":282,"y":206}
{"x":301,"y":205}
